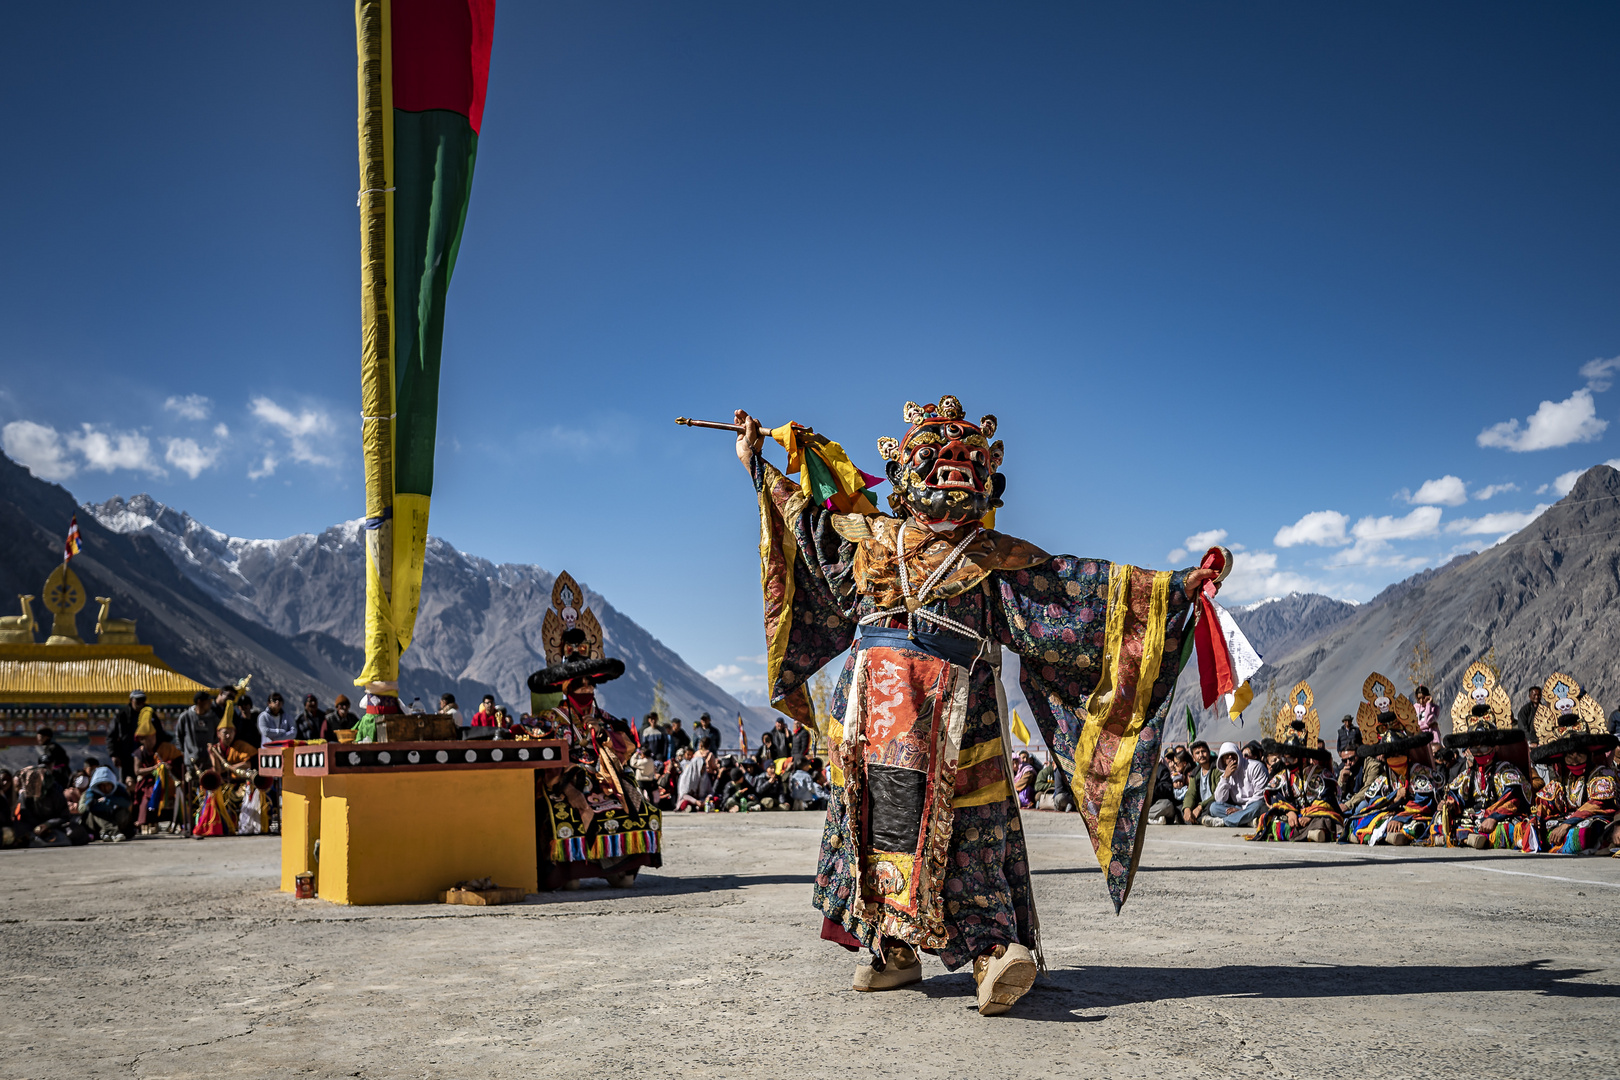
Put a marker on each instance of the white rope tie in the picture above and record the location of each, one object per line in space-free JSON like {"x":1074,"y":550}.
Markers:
{"x":372,"y":191}
{"x":942,"y":571}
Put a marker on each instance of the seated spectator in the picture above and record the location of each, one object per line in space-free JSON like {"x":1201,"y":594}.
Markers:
{"x":105,"y":808}
{"x":79,"y":783}
{"x":10,"y":835}
{"x":1200,"y":784}
{"x":41,"y":813}
{"x":1240,"y":791}
{"x":695,"y":786}
{"x":154,"y":791}
{"x":803,"y":793}
{"x":768,"y":789}
{"x":1171,"y":790}
{"x":738,"y":794}
{"x":340,"y":719}
{"x":1043,"y":786}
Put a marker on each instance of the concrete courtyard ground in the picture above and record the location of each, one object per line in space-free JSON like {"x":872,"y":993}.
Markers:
{"x":174,"y":958}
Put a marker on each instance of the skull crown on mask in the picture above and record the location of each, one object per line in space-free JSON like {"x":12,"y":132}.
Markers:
{"x":945,"y":468}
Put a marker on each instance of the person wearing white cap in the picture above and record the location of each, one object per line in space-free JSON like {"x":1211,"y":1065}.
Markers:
{"x":1240,"y":793}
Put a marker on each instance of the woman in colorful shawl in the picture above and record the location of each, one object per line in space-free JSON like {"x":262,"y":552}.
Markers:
{"x":1576,"y":807}
{"x":1024,"y":781}
{"x":923,"y":848}
{"x":1400,"y":759}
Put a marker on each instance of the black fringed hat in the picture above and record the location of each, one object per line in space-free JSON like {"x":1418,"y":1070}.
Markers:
{"x":1398,"y":746}
{"x":1580,"y":742}
{"x":1483,"y":731}
{"x":552,"y":679}
{"x":1298,"y":750}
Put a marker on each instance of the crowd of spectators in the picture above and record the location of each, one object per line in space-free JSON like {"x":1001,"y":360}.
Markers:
{"x":685,"y":772}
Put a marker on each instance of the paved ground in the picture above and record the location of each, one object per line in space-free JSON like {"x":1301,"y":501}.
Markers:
{"x":173,"y":958}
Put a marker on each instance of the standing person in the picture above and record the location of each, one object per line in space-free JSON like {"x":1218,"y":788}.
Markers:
{"x":1349,"y":738}
{"x":799,"y":743}
{"x":678,"y":739}
{"x":121,"y":736}
{"x":52,"y":757}
{"x":1428,"y":715}
{"x":654,"y":743}
{"x":775,"y":744}
{"x":311,"y":721}
{"x":935,"y":595}
{"x":705,"y":735}
{"x":247,"y":722}
{"x":194,"y":730}
{"x":1525,"y":718}
{"x":276,"y":724}
{"x":340,"y":718}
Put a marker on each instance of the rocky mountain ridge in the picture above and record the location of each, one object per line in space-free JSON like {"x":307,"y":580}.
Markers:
{"x":479,"y":623}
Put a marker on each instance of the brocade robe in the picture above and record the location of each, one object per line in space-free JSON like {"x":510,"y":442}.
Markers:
{"x":593,"y":819}
{"x":1498,"y":791}
{"x":1586,"y":803}
{"x":1311,"y":795}
{"x":923,"y":842}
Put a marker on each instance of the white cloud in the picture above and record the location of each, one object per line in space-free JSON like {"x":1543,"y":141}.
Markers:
{"x":38,"y":448}
{"x":1504,"y":522}
{"x":265,"y":467}
{"x":1553,"y":424}
{"x":1564,"y":483}
{"x":1494,"y":490}
{"x":1199,"y":542}
{"x":1446,"y":491}
{"x":189,"y":458}
{"x":1424,"y":521}
{"x":106,"y":451}
{"x":221,"y":431}
{"x":190,"y":407}
{"x":1600,"y":374}
{"x":1255,"y":576}
{"x":734,"y":679}
{"x":1324,"y":528}
{"x":307,"y":432}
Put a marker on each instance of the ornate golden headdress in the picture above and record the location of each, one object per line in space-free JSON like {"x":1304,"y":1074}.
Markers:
{"x":948,"y":411}
{"x":1297,"y":721}
{"x":1480,"y":687}
{"x":1563,"y":699}
{"x":568,"y":612}
{"x":1380,"y":700}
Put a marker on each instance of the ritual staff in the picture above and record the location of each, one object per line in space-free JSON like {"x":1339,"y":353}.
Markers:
{"x":1397,"y":800}
{"x":594,"y":820}
{"x":923,"y":847}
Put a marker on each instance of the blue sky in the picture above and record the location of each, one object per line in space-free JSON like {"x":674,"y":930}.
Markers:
{"x":1335,"y":281}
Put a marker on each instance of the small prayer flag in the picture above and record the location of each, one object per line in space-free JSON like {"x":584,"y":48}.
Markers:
{"x":1192,"y":727}
{"x":742,"y":735}
{"x":1020,"y":732}
{"x":825,"y":471}
{"x":1238,"y":700}
{"x":74,"y":542}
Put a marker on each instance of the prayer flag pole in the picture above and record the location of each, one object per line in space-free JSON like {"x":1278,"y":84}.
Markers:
{"x":423,"y":70}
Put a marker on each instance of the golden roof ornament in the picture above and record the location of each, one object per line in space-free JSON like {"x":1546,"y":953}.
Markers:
{"x":64,"y":597}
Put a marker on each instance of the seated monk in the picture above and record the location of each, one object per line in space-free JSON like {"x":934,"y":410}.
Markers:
{"x":234,"y":766}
